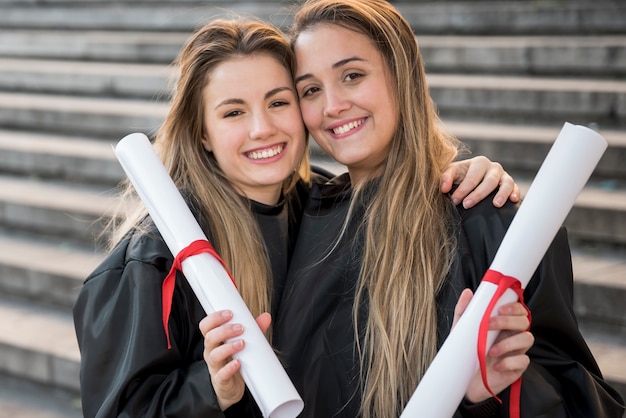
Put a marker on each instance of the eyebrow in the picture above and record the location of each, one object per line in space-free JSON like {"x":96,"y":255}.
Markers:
{"x":334,"y":66}
{"x":240,"y":101}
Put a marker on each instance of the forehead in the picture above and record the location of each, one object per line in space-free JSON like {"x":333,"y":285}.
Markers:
{"x":255,"y":63}
{"x":251,"y":73}
{"x":330,"y":43}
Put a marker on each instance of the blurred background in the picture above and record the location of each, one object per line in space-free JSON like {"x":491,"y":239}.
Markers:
{"x":78,"y":75}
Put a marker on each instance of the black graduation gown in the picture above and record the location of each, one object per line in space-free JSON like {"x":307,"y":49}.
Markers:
{"x":126,"y":367}
{"x":314,"y":328}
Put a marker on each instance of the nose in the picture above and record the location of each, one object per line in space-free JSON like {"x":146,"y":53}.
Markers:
{"x":335,"y":102}
{"x":261,"y":126}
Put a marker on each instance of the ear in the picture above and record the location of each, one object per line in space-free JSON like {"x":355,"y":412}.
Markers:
{"x":206,"y":143}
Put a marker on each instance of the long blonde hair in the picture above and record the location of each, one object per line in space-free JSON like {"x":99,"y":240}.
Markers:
{"x":408,"y":244}
{"x":218,"y":205}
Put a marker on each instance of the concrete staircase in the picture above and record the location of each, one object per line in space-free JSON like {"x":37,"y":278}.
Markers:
{"x":77,"y":75}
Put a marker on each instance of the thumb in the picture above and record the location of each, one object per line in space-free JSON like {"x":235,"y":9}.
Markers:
{"x":461,"y":305}
{"x":263,"y":321}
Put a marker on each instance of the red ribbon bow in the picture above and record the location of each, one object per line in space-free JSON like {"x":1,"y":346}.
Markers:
{"x":195,"y":248}
{"x":503,"y":282}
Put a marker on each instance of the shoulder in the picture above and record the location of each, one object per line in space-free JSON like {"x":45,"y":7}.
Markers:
{"x":484,"y":218}
{"x":320,"y":175}
{"x":143,"y":245}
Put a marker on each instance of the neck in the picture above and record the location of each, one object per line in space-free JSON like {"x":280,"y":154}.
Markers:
{"x":267,"y":196}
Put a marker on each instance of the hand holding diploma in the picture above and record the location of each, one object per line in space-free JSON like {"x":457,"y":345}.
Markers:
{"x":507,"y":359}
{"x":222,"y":341}
{"x":573,"y":156}
{"x":264,"y":375}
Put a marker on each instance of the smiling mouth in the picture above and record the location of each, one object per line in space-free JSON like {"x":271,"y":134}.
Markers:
{"x":347,"y":127}
{"x":266,"y":153}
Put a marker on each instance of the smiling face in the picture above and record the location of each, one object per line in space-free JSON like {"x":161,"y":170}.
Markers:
{"x":346,"y":97}
{"x":253,"y":124}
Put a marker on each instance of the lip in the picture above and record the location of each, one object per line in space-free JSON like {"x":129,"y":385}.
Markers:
{"x":275,"y":153}
{"x":351,"y":126}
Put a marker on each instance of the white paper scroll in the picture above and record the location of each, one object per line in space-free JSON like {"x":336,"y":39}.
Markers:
{"x":264,"y":375}
{"x":563,"y":174}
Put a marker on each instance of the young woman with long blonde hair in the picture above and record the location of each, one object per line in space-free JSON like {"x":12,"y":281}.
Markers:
{"x":383,"y":258}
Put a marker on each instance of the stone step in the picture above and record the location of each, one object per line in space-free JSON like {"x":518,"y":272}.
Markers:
{"x":39,"y":344}
{"x":44,"y":273}
{"x":465,"y":17}
{"x":108,"y":118}
{"x":21,"y":398}
{"x":520,"y":148}
{"x":92,"y":45}
{"x":523,"y":147}
{"x":598,"y":215}
{"x":593,"y":55}
{"x":45,"y":156}
{"x":575,"y":55}
{"x":474,"y":97}
{"x":85,"y":78}
{"x":66,"y":214}
{"x":52,"y":273}
{"x":529,"y":99}
{"x":148,"y":16}
{"x":75,"y":214}
{"x":600,"y":291}
{"x":597,"y":100}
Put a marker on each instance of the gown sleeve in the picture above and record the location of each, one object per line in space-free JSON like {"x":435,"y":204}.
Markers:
{"x":126,"y":368}
{"x":563,"y":378}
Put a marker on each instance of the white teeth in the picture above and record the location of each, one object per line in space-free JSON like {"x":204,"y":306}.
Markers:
{"x":347,"y":127}
{"x":267,"y":153}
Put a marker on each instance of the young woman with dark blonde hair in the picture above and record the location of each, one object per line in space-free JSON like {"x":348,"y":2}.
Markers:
{"x":382,"y":257}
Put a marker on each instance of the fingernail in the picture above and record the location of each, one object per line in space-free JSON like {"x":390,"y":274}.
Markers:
{"x":498,"y":201}
{"x":227,"y":314}
{"x":455,"y":201}
{"x":238,"y":343}
{"x":468,"y":203}
{"x":237,"y":327}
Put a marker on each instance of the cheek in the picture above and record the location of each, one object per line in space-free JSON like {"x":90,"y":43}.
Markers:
{"x":310,"y":115}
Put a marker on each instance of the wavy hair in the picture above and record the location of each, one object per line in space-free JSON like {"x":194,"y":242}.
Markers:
{"x":219,"y":207}
{"x":408,"y":245}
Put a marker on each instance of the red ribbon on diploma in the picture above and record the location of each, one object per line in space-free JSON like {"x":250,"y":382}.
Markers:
{"x":195,"y":248}
{"x":503,"y":282}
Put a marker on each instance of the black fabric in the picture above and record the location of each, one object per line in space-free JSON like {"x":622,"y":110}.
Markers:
{"x":126,"y":367}
{"x":314,"y":336}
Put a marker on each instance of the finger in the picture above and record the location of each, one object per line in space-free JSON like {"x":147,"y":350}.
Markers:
{"x":214,"y":320}
{"x":515,"y":323}
{"x":513,"y":308}
{"x":506,"y":189}
{"x":461,"y":305}
{"x":218,"y":336}
{"x":514,"y":344}
{"x":446,"y":182}
{"x":516,"y":194}
{"x":512,"y":364}
{"x":220,"y":355}
{"x":467,"y":178}
{"x":263,"y":321}
{"x":225,"y":374}
{"x":456,"y":170}
{"x":479,"y":184}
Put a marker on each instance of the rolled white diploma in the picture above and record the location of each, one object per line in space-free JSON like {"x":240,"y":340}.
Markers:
{"x":264,"y":375}
{"x":565,"y":171}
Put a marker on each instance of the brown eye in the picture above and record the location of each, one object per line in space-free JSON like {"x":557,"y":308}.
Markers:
{"x":309,"y":91}
{"x":352,"y":76}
